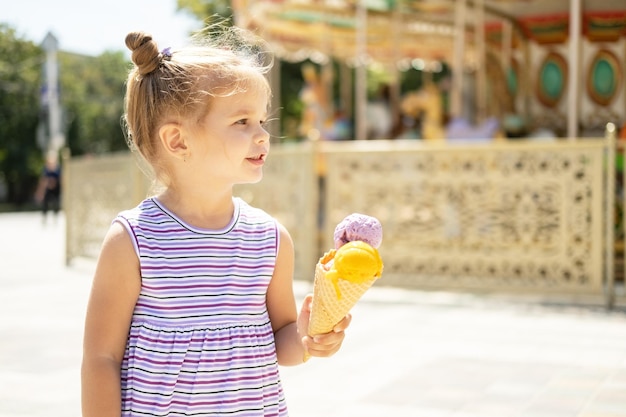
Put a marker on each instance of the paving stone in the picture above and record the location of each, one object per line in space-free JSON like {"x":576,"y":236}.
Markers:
{"x":406,"y":354}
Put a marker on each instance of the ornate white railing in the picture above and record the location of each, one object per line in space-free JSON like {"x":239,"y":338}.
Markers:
{"x":95,"y":189}
{"x":508,"y":216}
{"x":513,"y":216}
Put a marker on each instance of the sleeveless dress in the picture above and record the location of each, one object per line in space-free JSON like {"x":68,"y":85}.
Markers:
{"x":200,"y":341}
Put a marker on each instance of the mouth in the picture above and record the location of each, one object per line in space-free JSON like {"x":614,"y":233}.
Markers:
{"x":257,"y":159}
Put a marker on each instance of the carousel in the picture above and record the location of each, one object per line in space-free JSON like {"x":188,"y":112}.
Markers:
{"x":513,"y":187}
{"x":535,"y":66}
{"x":541,"y":212}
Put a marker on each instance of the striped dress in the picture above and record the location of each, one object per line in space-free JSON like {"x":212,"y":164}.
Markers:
{"x":200,"y":341}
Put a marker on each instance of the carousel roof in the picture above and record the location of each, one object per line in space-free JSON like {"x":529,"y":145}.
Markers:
{"x":409,"y":29}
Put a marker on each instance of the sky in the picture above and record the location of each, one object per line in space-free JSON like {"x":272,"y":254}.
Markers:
{"x":92,"y":27}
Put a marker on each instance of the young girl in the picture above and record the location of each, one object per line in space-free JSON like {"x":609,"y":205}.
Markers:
{"x":192,"y":307}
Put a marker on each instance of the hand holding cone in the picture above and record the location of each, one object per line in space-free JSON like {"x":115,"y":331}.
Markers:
{"x":341,"y":278}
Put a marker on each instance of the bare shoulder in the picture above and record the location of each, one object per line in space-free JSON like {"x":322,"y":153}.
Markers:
{"x":285,"y":236}
{"x":118,"y":260}
{"x":115,"y":288}
{"x":118,"y":244}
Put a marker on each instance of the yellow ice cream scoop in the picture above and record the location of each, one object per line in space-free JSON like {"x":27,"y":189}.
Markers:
{"x":356,"y":262}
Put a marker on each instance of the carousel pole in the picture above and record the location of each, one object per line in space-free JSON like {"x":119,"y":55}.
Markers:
{"x":395,"y":93}
{"x":345,"y":85}
{"x":609,"y":270}
{"x":507,"y":43}
{"x":481,"y":61}
{"x":575,"y":17}
{"x":360,"y":97}
{"x":238,"y":7}
{"x":361,"y":71}
{"x":328,"y":73}
{"x":507,"y":61}
{"x":524,"y":80}
{"x":456,"y":96}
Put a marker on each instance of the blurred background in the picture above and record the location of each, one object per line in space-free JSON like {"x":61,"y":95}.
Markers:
{"x":490,"y":129}
{"x":487,"y":136}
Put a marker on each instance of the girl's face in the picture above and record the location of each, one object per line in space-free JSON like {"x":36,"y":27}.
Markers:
{"x":231,"y":144}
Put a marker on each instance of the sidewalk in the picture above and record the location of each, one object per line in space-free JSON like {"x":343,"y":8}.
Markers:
{"x":407,"y":354}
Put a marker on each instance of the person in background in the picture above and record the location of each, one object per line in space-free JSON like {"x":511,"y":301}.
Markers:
{"x":192,"y":307}
{"x":48,"y":192}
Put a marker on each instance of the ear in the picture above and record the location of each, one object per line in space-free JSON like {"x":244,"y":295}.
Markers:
{"x":173,"y":139}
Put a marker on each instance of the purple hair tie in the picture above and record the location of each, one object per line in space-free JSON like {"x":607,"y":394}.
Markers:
{"x":167,"y":52}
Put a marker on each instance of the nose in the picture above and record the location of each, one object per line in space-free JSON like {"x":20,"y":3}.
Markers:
{"x":262,"y":135}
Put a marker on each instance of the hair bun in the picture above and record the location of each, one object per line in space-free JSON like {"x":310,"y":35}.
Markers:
{"x":145,"y":53}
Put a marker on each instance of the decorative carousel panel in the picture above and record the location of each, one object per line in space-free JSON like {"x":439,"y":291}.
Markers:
{"x":604,"y":26}
{"x":526,"y":216}
{"x":604,"y":77}
{"x":546,"y":29}
{"x":298,"y":30}
{"x":552,"y":79}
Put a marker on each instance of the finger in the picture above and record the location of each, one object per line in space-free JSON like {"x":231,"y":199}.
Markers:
{"x":327,"y":341}
{"x":306,"y":355}
{"x":306,"y":303}
{"x":305,"y":315}
{"x":323,"y":342}
{"x":343,"y":324}
{"x":323,"y":350}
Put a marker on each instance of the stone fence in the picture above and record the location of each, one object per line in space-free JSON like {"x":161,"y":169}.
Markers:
{"x":517,"y":216}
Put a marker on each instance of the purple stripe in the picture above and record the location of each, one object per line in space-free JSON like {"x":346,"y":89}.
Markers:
{"x":205,"y":382}
{"x":194,"y":306}
{"x":188,"y":345}
{"x":175,"y":229}
{"x":219,"y":401}
{"x":200,"y":286}
{"x":148,"y":246}
{"x":184,"y":267}
{"x":202,"y":340}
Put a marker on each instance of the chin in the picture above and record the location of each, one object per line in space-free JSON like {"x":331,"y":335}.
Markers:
{"x":252,"y":180}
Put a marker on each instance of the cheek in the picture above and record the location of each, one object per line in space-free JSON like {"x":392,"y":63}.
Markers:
{"x":213,"y":149}
{"x":236,"y":148}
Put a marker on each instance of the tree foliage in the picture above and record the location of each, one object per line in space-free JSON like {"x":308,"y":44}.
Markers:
{"x":92,"y":95}
{"x":20,"y":81}
{"x":92,"y":101}
{"x":204,"y":9}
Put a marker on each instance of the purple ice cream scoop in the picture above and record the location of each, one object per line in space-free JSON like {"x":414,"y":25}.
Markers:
{"x":361,"y":227}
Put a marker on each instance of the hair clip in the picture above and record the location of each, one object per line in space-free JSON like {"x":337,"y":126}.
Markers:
{"x":167,"y":52}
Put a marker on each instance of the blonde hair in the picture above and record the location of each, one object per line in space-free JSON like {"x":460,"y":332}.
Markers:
{"x":169,"y":84}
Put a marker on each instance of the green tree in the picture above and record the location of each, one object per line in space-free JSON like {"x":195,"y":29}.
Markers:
{"x":20,"y":80}
{"x":92,"y":96}
{"x":92,"y":99}
{"x":203,"y":9}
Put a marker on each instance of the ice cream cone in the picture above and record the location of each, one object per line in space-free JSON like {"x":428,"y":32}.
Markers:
{"x":356,"y":266}
{"x":327,"y":310}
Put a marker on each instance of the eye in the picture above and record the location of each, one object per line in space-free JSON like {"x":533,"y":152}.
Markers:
{"x":242,"y":122}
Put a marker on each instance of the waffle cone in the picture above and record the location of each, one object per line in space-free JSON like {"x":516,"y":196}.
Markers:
{"x":328,"y":309}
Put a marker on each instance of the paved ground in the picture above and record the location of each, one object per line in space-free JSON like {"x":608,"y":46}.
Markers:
{"x":408,"y":354}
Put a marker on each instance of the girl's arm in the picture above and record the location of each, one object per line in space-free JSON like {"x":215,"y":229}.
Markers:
{"x":114,"y":292}
{"x":290,"y":329}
